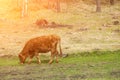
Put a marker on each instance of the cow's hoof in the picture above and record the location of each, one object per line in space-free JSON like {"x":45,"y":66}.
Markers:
{"x":50,"y":62}
{"x":21,"y":63}
{"x":38,"y":62}
{"x":56,"y":61}
{"x":29,"y":62}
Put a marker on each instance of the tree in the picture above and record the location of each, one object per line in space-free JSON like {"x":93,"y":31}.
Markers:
{"x":98,"y":6}
{"x":58,"y":5}
{"x":25,"y":8}
{"x":112,"y":2}
{"x":18,"y":3}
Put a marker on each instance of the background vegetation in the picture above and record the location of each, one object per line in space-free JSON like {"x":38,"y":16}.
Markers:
{"x":92,"y":40}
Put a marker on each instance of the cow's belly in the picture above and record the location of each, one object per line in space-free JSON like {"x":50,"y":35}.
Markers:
{"x":44,"y":50}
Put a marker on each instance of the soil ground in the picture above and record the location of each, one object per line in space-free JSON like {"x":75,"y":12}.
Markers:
{"x":96,"y":65}
{"x":88,"y":31}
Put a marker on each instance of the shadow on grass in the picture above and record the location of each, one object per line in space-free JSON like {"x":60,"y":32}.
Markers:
{"x":42,"y":61}
{"x":95,"y":53}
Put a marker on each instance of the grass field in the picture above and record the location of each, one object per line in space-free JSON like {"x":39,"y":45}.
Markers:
{"x":95,"y":65}
{"x":91,"y":40}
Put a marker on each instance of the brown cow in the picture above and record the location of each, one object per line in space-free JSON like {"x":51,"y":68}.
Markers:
{"x":42,"y":44}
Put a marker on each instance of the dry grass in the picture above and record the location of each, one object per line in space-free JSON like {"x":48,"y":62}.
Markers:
{"x":89,"y":31}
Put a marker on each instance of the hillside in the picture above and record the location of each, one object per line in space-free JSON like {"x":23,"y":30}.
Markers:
{"x":91,"y":40}
{"x":88,"y":30}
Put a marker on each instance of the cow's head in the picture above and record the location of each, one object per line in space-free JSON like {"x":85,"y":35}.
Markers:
{"x":21,"y":58}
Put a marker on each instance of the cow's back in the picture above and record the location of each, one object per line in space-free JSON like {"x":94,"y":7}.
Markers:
{"x":41,"y":44}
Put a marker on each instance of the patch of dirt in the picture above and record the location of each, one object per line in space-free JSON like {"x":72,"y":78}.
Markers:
{"x":115,"y":74}
{"x":35,"y":72}
{"x":116,"y":22}
{"x":56,"y":26}
{"x":117,"y":30}
{"x":78,"y":76}
{"x":82,"y":29}
{"x":107,"y":25}
{"x":43,"y":23}
{"x":5,"y":56}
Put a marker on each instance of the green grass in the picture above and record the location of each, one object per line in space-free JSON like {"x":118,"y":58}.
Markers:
{"x":8,"y":61}
{"x":95,"y":65}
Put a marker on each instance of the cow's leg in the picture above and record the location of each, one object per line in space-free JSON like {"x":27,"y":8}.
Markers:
{"x":56,"y":54}
{"x":37,"y":56}
{"x":53,"y":53}
{"x":31,"y":56}
{"x":52,"y":56}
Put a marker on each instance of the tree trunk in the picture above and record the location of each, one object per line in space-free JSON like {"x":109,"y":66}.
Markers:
{"x":48,"y":4}
{"x":98,"y":6}
{"x":112,"y":2}
{"x":58,"y":5}
{"x":18,"y":3}
{"x":25,"y":8}
{"x":67,"y":4}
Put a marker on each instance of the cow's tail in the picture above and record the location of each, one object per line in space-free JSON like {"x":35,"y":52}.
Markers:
{"x":60,"y":48}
